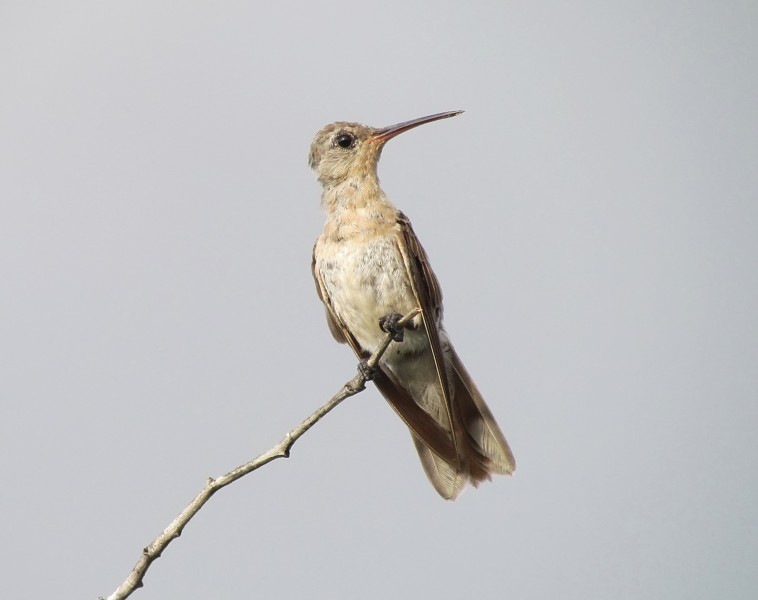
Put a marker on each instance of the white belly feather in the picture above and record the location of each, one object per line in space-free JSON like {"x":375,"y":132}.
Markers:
{"x":364,"y":282}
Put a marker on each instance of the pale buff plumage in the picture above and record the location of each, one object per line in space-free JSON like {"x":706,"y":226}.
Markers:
{"x":368,"y":264}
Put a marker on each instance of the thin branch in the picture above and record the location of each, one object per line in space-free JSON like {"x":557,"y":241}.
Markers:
{"x":281,"y":450}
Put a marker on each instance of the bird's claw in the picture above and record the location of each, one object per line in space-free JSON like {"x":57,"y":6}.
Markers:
{"x":389,"y":324}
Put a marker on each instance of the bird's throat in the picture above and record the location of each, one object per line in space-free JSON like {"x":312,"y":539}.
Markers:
{"x":355,"y":208}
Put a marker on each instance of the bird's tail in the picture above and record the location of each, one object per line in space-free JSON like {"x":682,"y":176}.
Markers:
{"x":467,"y":450}
{"x":487,"y":448}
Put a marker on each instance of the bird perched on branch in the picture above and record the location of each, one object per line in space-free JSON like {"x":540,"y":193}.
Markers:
{"x":370,"y":269}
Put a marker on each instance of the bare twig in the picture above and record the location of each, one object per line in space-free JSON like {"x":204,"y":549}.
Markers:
{"x":281,"y":450}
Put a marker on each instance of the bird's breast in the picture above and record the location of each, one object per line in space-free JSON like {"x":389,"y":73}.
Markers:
{"x":365,"y":278}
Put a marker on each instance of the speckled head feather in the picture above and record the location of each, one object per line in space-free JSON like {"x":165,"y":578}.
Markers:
{"x":342,"y":149}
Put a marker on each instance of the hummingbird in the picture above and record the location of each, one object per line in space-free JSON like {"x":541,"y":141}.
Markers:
{"x":370,"y":268}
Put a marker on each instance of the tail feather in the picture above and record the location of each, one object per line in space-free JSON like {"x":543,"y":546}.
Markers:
{"x":483,"y":431}
{"x":419,"y":422}
{"x":478,"y":448}
{"x":447,"y":479}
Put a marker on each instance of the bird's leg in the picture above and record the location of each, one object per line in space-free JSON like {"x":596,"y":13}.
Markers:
{"x":389,"y":324}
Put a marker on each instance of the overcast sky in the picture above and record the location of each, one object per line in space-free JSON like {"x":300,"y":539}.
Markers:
{"x":592,"y":218}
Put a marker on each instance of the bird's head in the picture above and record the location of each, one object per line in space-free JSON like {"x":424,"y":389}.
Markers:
{"x":343,"y":150}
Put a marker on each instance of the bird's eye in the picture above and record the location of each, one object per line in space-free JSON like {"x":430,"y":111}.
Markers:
{"x":344,"y":140}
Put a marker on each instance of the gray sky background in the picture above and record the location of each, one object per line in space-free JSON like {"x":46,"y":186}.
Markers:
{"x":592,"y":218}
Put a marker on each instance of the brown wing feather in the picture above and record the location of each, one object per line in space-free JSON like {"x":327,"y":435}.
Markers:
{"x":427,"y":290}
{"x":480,"y":446}
{"x":338,"y":329}
{"x":419,"y":422}
{"x":424,"y":280}
{"x":488,"y":444}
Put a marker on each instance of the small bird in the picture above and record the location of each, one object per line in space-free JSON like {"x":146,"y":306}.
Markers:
{"x":370,"y":269}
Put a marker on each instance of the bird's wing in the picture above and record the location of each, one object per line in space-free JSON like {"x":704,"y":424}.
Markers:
{"x":336,"y":326}
{"x":427,"y":291}
{"x":479,"y":443}
{"x":489,"y":448}
{"x":428,"y":294}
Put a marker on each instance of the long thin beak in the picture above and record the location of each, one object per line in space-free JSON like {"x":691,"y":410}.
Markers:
{"x":387,"y":133}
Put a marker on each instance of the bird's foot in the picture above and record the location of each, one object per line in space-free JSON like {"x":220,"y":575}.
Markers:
{"x":389,"y":324}
{"x":366,"y":371}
